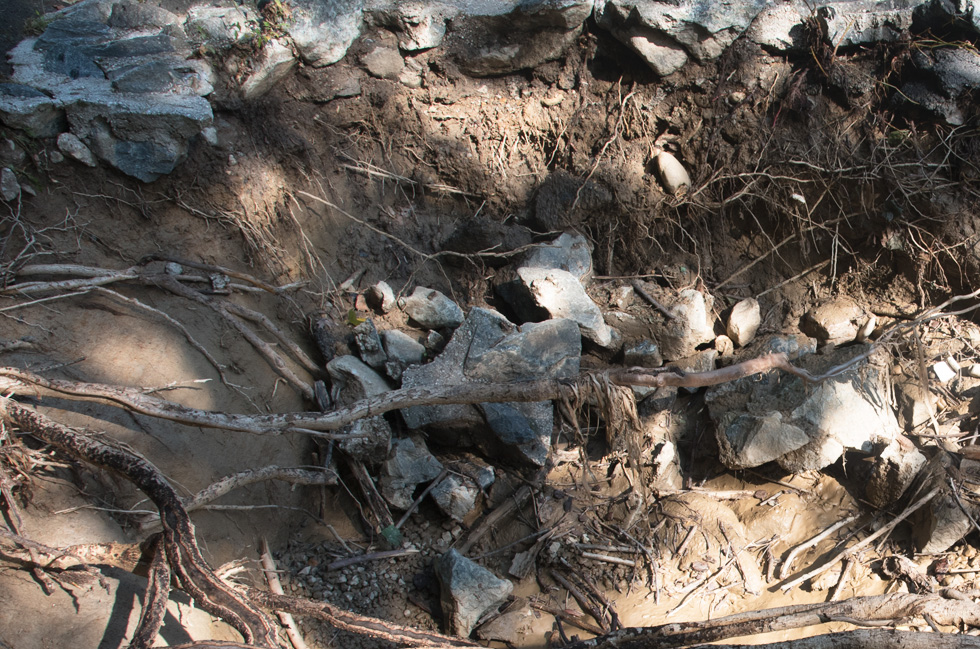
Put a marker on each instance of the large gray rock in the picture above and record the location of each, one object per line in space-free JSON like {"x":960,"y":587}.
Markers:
{"x":665,"y":34}
{"x":489,"y":348}
{"x":834,"y":321}
{"x":402,"y":351}
{"x":28,"y":109}
{"x":538,"y":293}
{"x":569,"y":252}
{"x":775,"y":417}
{"x":409,"y":464}
{"x":271,"y":65}
{"x":352,"y":380}
{"x":503,"y":36}
{"x":419,"y":25}
{"x":845,"y":23}
{"x":431,"y":309}
{"x":322,"y":30}
{"x":468,"y":590}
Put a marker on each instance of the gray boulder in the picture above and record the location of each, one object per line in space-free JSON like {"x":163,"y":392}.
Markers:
{"x":539,"y":293}
{"x":408,"y":465}
{"x":504,"y":36}
{"x":431,"y":309}
{"x":569,"y":252}
{"x":834,"y":321}
{"x":322,"y":30}
{"x":419,"y":25}
{"x":402,"y":351}
{"x":845,"y":23}
{"x":487,"y":347}
{"x":271,"y":65}
{"x":26,"y":108}
{"x":775,"y":417}
{"x":666,"y":34}
{"x":468,"y":590}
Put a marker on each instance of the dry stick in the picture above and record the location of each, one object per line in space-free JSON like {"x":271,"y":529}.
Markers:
{"x":354,"y":623}
{"x":575,"y":620}
{"x":581,"y":598}
{"x":211,"y":268}
{"x":609,"y":559}
{"x":297,"y":353}
{"x":370,"y":556}
{"x":265,"y":350}
{"x":866,"y":541}
{"x":522,"y":391}
{"x":272,"y":576}
{"x":649,"y":298}
{"x":855,"y":610}
{"x":869,"y":639}
{"x":244,"y":478}
{"x":788,"y":563}
{"x":502,"y":511}
{"x":155,"y":600}
{"x":378,"y":504}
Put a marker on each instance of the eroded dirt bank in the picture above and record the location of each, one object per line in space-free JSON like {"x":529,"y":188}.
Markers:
{"x":809,"y":180}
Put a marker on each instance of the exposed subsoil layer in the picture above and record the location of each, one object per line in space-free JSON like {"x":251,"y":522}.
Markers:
{"x":804,"y":187}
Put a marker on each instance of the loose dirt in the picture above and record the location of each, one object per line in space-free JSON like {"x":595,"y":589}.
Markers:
{"x":799,"y":193}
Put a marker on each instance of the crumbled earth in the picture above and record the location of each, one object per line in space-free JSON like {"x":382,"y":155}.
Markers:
{"x":800,"y":192}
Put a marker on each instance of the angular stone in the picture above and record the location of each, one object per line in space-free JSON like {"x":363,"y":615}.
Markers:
{"x":431,"y":309}
{"x":834,"y":321}
{"x":894,"y":470}
{"x":744,"y":321}
{"x":323,"y":29}
{"x":456,"y":496}
{"x":569,"y":252}
{"x":369,"y":439}
{"x":468,"y":590}
{"x":369,"y":344}
{"x":690,"y":327}
{"x":402,"y":350}
{"x":750,"y":441}
{"x":419,"y":25}
{"x":409,"y":464}
{"x":71,"y":146}
{"x":383,"y":63}
{"x":219,"y":27}
{"x":380,"y":297}
{"x":273,"y":63}
{"x":645,"y":353}
{"x":539,"y":293}
{"x":9,"y":187}
{"x":141,"y":15}
{"x":353,"y":380}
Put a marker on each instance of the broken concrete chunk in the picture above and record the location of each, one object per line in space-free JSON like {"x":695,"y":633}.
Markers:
{"x":456,"y":496}
{"x":468,"y":590}
{"x":409,"y":464}
{"x":834,"y":321}
{"x":893,"y":472}
{"x":432,"y":309}
{"x":744,"y":321}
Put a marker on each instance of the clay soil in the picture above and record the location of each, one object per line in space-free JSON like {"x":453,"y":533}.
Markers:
{"x":805,"y":186}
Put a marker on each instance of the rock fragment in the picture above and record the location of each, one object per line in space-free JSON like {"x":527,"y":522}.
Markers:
{"x":408,"y":465}
{"x":383,"y":63}
{"x":71,"y":146}
{"x":468,"y":590}
{"x":9,"y":187}
{"x":835,"y":321}
{"x":690,"y":327}
{"x":402,"y":350}
{"x":744,"y":321}
{"x":456,"y":496}
{"x":380,"y":297}
{"x":916,"y":405}
{"x":432,"y":309}
{"x":369,"y":343}
{"x":894,"y":470}
{"x":569,"y":252}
